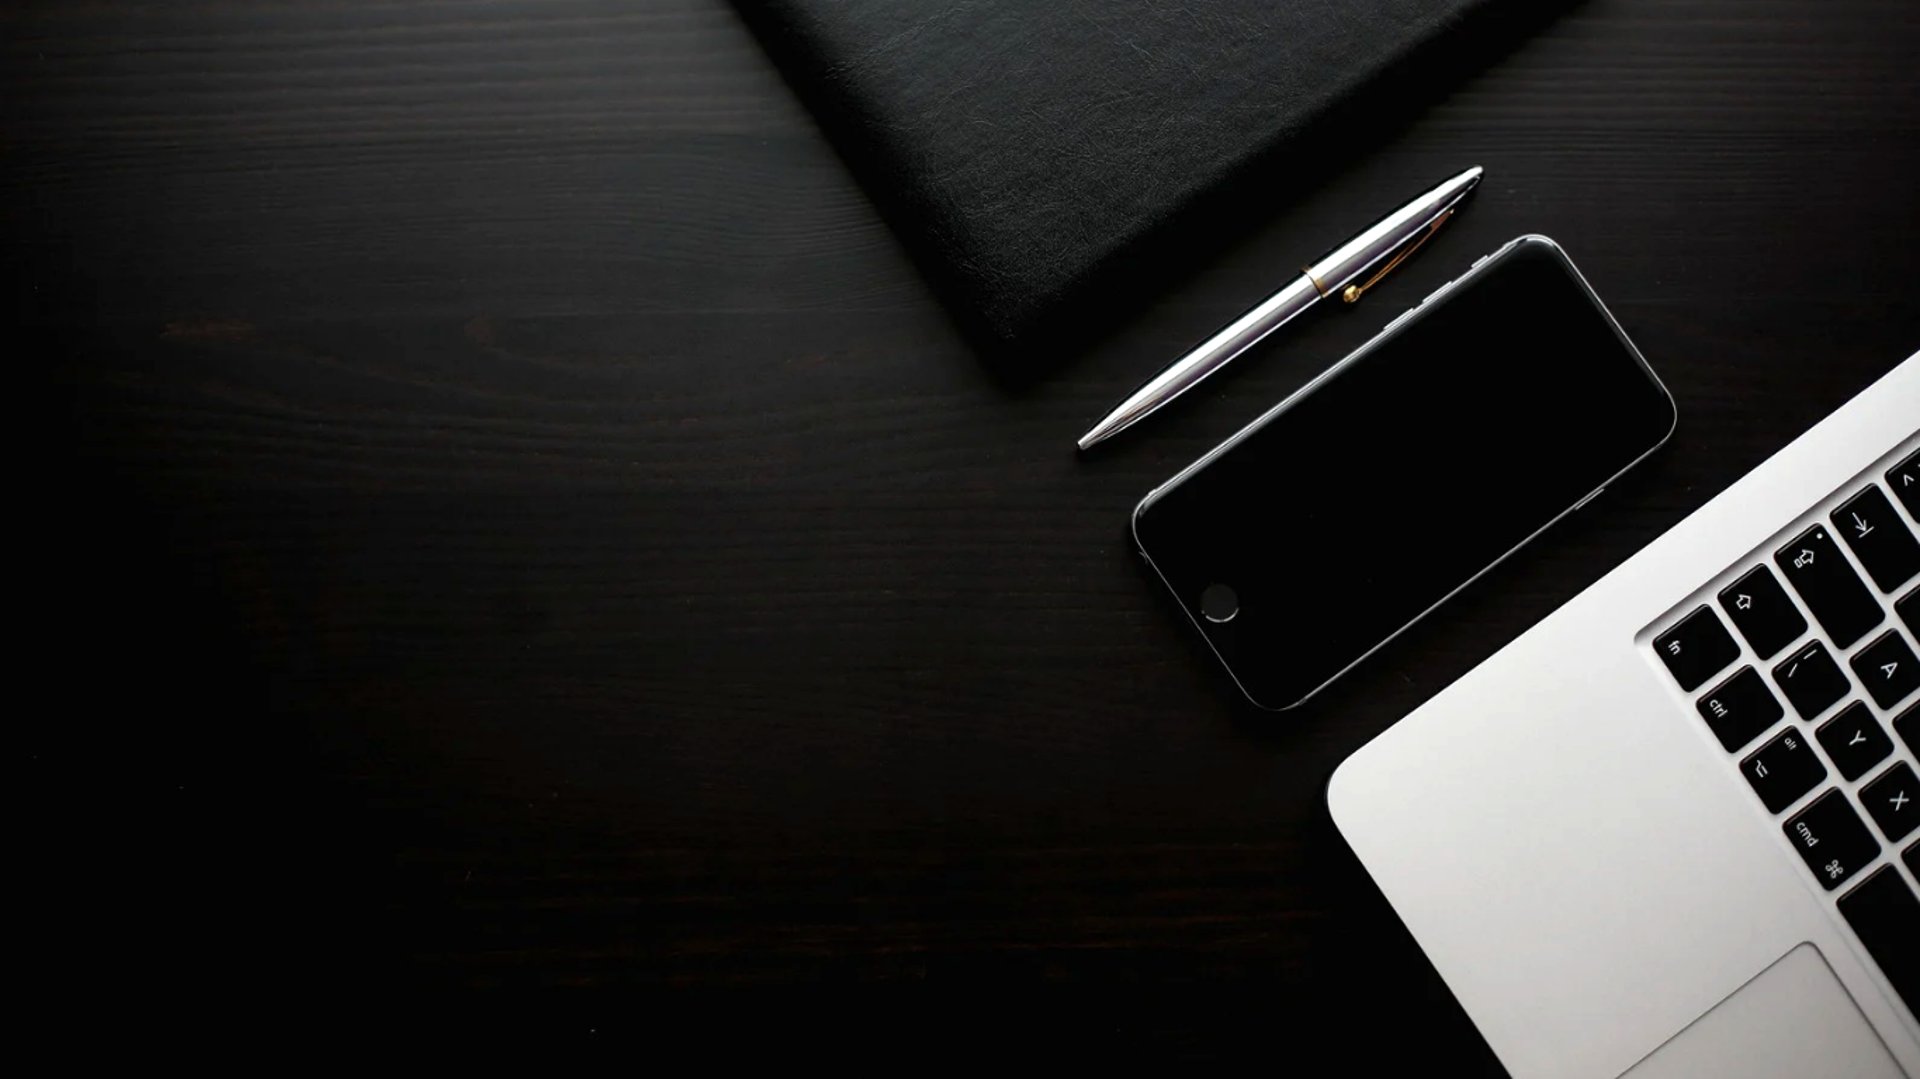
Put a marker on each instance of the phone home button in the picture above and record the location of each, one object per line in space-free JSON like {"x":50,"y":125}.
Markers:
{"x":1218,"y":603}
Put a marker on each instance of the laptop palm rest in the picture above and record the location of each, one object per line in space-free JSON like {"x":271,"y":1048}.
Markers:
{"x":1794,"y":1019}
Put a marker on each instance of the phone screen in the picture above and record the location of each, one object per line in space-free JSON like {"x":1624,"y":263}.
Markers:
{"x":1342,"y":516}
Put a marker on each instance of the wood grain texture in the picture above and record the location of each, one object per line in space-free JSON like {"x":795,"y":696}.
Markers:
{"x":521,"y":521}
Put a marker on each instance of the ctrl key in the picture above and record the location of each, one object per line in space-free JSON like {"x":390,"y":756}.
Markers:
{"x":1886,"y":917}
{"x":1831,"y":839}
{"x":1739,"y":709}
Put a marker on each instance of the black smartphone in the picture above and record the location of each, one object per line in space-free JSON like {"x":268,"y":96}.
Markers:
{"x":1504,"y":401}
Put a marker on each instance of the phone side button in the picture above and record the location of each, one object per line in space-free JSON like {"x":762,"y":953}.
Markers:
{"x":1582,"y":503}
{"x":1397,"y":320}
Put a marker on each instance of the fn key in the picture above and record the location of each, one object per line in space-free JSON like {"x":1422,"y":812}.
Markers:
{"x":1886,"y":917}
{"x":1696,"y":649}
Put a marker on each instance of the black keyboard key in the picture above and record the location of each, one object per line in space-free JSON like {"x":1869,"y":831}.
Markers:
{"x":1907,"y":726}
{"x":1888,"y":669}
{"x":1831,"y":839}
{"x":1886,"y":917}
{"x":1762,"y":612}
{"x":1811,"y":680}
{"x":1696,"y":649}
{"x":1854,"y":741}
{"x":1783,"y":770}
{"x":1835,"y":594}
{"x":1879,"y":538}
{"x":1905,"y":481}
{"x":1740,"y":709}
{"x":1893,"y":800}
{"x":1908,"y":608}
{"x":1911,"y":856}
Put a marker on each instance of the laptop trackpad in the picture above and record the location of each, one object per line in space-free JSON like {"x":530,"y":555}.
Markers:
{"x":1793,"y":1019}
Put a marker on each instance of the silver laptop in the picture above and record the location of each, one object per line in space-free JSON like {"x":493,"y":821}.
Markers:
{"x":1674,"y":829}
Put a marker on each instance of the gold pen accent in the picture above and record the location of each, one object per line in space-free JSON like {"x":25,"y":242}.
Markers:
{"x":1353,"y":292}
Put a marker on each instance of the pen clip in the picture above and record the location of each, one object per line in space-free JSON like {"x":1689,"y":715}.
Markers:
{"x":1353,"y":292}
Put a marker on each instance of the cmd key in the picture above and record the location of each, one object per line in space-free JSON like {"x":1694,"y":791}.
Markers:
{"x":1830,"y":837}
{"x":1836,"y":595}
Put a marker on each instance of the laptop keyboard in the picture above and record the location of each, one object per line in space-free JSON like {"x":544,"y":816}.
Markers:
{"x":1800,"y":666}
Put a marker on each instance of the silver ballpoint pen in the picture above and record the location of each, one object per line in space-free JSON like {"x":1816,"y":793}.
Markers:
{"x":1403,"y":230}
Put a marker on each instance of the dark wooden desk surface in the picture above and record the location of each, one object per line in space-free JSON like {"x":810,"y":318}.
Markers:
{"x":522,"y":522}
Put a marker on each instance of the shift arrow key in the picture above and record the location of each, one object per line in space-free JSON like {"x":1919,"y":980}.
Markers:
{"x":1760,"y":610}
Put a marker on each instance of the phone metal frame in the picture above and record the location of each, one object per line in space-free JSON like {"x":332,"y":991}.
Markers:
{"x":1399,"y":323}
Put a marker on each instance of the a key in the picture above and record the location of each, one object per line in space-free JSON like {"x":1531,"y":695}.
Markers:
{"x":1811,"y":680}
{"x":1740,"y":709}
{"x":1893,"y":800}
{"x":1888,"y":669}
{"x":1762,"y":613}
{"x":1696,"y":649}
{"x":1831,"y":839}
{"x":1908,"y":608}
{"x":1886,"y":917}
{"x":1854,"y":741}
{"x":1835,"y":594}
{"x":1783,"y":770}
{"x":1905,"y":481}
{"x":1879,"y":538}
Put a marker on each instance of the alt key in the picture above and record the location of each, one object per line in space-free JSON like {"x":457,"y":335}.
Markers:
{"x":1783,"y":770}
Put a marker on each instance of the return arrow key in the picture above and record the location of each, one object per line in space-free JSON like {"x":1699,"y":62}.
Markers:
{"x":1835,"y":594}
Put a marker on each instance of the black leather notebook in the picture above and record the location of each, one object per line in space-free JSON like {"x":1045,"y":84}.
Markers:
{"x":1040,"y":154}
